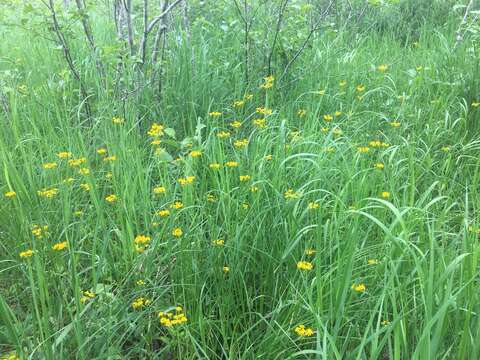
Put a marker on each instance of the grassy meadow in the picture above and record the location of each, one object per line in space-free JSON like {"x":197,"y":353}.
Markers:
{"x":302,"y":195}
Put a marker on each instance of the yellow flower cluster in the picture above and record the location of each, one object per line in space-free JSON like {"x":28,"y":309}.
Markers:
{"x":51,"y":165}
{"x":223,"y":134}
{"x":39,"y":231}
{"x":140,"y":302}
{"x":156,"y":130}
{"x":48,"y":193}
{"x":268,"y":82}
{"x":111,"y":198}
{"x":290,"y":194}
{"x":186,"y":180}
{"x":304,"y":265}
{"x":359,"y":287}
{"x":240,"y":143}
{"x":170,"y":318}
{"x":304,"y":331}
{"x":177,"y":232}
{"x":264,"y":111}
{"x":77,"y":162}
{"x":26,"y":253}
{"x":86,"y":296}
{"x":159,"y":190}
{"x":60,"y":246}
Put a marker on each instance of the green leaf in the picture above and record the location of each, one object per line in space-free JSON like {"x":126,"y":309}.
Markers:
{"x":163,"y":155}
{"x":170,"y":132}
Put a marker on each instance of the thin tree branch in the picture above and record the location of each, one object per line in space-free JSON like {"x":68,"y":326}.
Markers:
{"x":162,"y":15}
{"x":283,"y":6}
{"x":68,"y":56}
{"x":314,"y":29}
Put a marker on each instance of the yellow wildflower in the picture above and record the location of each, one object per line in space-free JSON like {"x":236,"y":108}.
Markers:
{"x":382,"y":68}
{"x":163,"y":213}
{"x":291,"y":194}
{"x":26,"y":253}
{"x":264,"y":111}
{"x":261,"y":123}
{"x":177,"y":232}
{"x":231,"y":164}
{"x":385,"y":194}
{"x":142,"y":239}
{"x":139,"y":303}
{"x":186,"y":180}
{"x":60,"y":246}
{"x":117,"y":120}
{"x":51,"y":165}
{"x":359,"y":287}
{"x":303,"y":331}
{"x":223,"y":134}
{"x":110,"y":158}
{"x":77,"y":162}
{"x":159,"y":190}
{"x":111,"y":198}
{"x":87,"y":295}
{"x":170,"y":319}
{"x":48,"y":193}
{"x":84,"y":171}
{"x":156,"y":130}
{"x":177,"y":205}
{"x":10,"y":194}
{"x":240,"y":143}
{"x":313,"y":205}
{"x":235,"y":124}
{"x":304,"y":265}
{"x":64,"y":154}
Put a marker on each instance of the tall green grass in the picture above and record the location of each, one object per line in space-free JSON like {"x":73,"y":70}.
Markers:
{"x":416,"y":250}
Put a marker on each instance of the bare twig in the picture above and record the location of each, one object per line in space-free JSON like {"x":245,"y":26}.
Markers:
{"x":162,"y":15}
{"x":87,"y":29}
{"x":283,"y":6}
{"x":459,"y":36}
{"x":161,"y":29}
{"x":314,"y":29}
{"x":143,"y":43}
{"x":68,"y":56}
{"x":128,"y":8}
